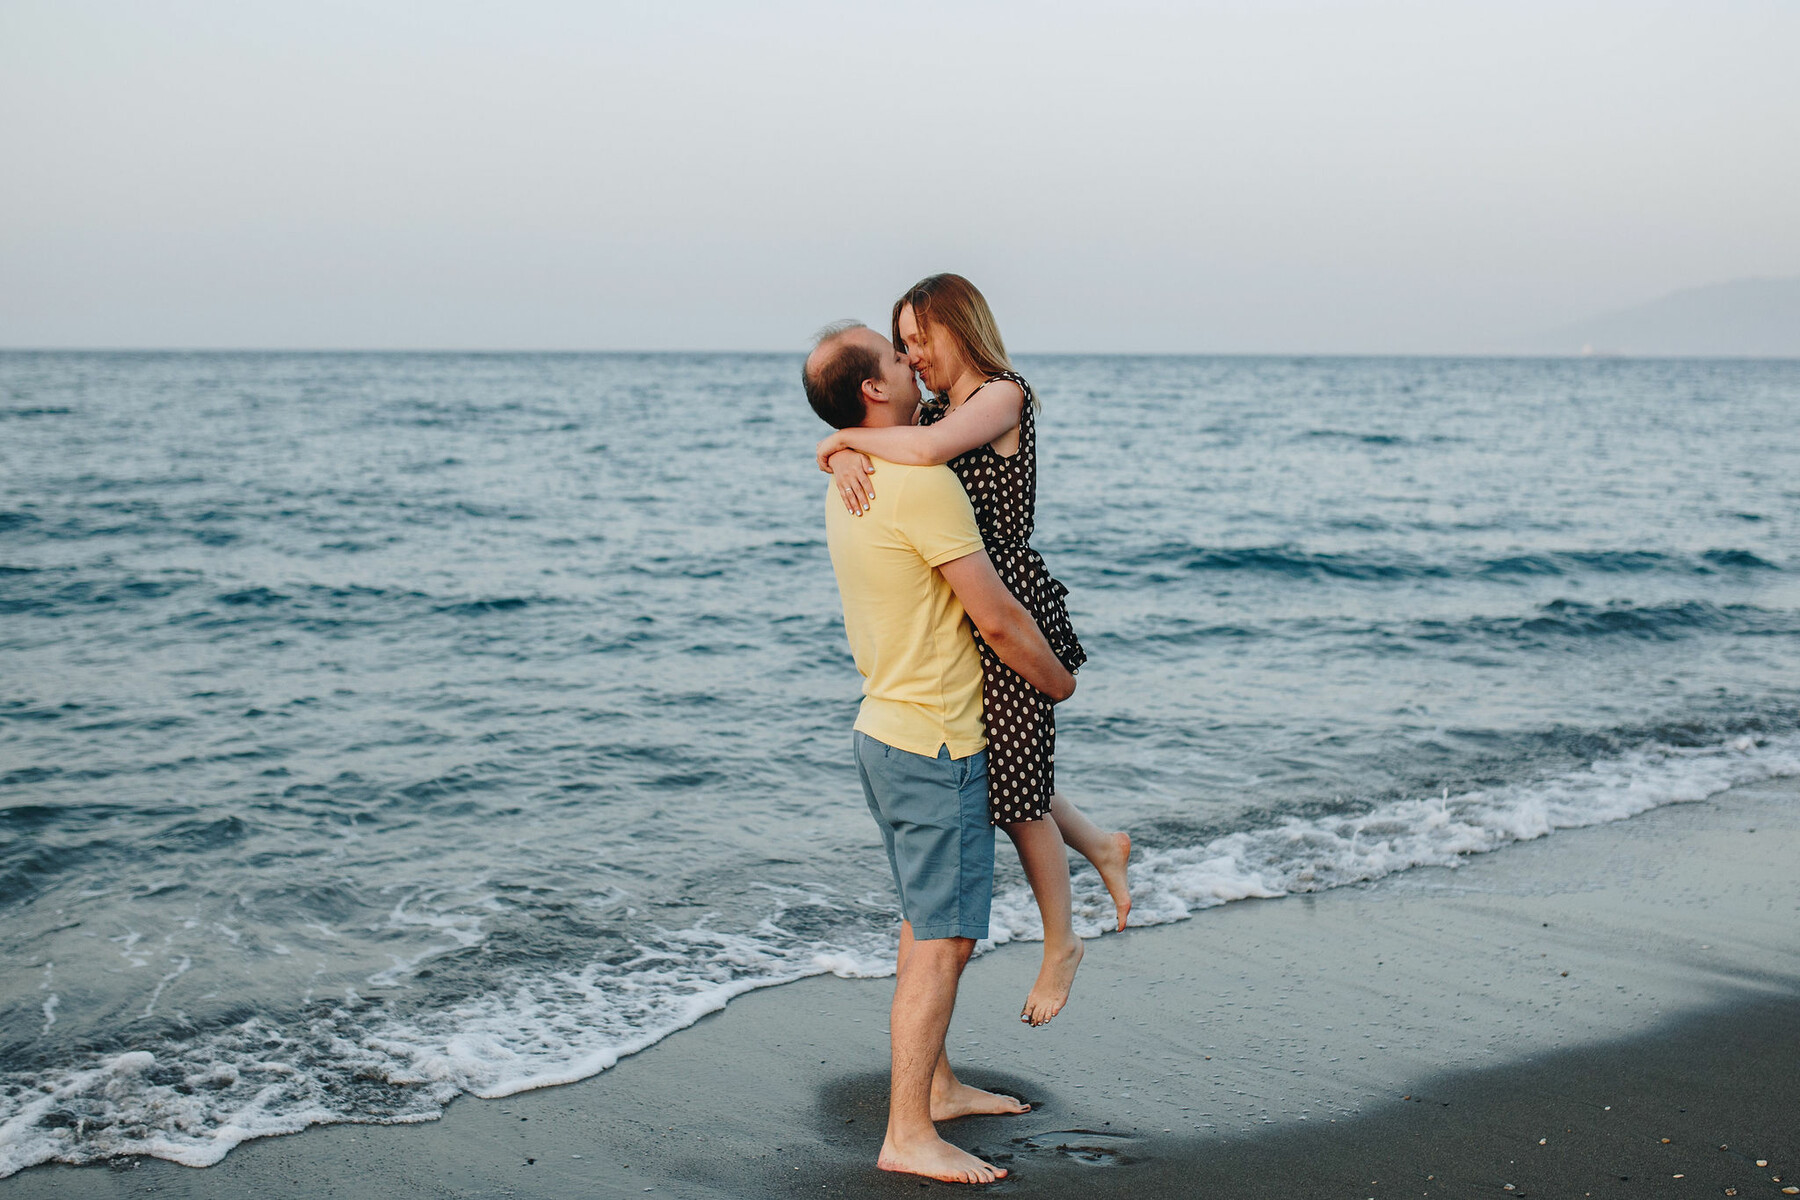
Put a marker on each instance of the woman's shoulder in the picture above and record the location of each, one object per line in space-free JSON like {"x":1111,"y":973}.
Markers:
{"x":1008,"y":385}
{"x":1013,"y":379}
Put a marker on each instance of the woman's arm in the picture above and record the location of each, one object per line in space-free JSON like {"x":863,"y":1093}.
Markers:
{"x":983,"y":417}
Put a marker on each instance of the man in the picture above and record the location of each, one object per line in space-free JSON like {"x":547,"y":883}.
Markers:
{"x":909,"y":570}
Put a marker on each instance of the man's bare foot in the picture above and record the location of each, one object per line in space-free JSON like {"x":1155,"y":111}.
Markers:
{"x":1112,"y":867}
{"x":937,"y":1159}
{"x":961,"y":1100}
{"x":1055,"y":978}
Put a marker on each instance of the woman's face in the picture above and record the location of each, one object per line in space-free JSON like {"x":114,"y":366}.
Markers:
{"x":936,"y":358}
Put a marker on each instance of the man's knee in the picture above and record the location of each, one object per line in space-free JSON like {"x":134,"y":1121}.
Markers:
{"x":950,"y":952}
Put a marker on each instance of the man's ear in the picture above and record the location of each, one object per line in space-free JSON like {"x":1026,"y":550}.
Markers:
{"x":873,"y":392}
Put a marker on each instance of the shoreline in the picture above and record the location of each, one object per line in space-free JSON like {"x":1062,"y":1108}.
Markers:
{"x":1262,"y":1047}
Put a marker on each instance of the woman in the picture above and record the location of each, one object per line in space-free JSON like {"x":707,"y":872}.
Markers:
{"x":982,"y":424}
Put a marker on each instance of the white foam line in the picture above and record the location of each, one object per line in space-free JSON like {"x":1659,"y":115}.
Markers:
{"x":16,"y":1131}
{"x":50,"y":1001}
{"x":181,"y":968}
{"x":1326,"y":852}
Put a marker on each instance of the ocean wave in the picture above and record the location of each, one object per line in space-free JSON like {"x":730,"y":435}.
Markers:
{"x":498,"y":604}
{"x":261,"y":597}
{"x":61,"y":591}
{"x":1556,"y":621}
{"x":1316,"y":853}
{"x":66,"y":591}
{"x":1380,"y":565}
{"x":1286,"y":561}
{"x":1561,"y":619}
{"x":1569,"y":562}
{"x":1738,"y":558}
{"x":353,"y":1060}
{"x":1377,"y":439}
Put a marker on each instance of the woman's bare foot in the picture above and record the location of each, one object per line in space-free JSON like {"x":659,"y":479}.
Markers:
{"x":1112,"y":868}
{"x":1055,"y":978}
{"x":937,"y":1159}
{"x":961,"y":1100}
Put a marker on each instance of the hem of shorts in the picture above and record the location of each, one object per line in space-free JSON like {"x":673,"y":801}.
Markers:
{"x":950,"y":929}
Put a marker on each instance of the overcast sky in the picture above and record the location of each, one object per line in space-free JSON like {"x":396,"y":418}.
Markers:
{"x":1119,"y":176}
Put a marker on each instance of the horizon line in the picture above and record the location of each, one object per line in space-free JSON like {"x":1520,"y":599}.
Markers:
{"x":491,"y":352}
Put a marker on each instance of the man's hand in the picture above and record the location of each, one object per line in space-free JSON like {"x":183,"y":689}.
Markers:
{"x":1006,"y":626}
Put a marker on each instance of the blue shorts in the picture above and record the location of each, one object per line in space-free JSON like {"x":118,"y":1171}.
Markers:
{"x":933,"y":817}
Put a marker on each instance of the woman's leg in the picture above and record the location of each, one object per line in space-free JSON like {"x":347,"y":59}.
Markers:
{"x":1109,"y":852}
{"x":1046,"y":863}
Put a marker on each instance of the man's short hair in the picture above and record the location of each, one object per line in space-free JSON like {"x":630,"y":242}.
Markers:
{"x":834,"y":384}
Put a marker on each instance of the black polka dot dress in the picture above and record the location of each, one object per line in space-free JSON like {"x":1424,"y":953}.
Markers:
{"x":1021,"y":721}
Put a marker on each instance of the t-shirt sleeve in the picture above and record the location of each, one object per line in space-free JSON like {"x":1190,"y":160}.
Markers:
{"x":936,"y":517}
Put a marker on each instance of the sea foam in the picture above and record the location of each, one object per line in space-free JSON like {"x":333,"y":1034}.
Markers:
{"x":1310,"y":855}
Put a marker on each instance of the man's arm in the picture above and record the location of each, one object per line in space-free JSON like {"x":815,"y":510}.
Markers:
{"x":1005,"y":624}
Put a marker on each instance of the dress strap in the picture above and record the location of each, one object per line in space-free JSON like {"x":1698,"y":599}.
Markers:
{"x":1010,"y":377}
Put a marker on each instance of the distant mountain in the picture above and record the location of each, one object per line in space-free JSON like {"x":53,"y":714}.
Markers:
{"x":1746,"y":318}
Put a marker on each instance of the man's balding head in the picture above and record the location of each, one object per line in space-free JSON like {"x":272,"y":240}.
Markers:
{"x":843,"y":357}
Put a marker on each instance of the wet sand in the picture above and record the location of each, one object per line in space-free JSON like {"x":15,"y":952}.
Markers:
{"x":1543,"y":1017}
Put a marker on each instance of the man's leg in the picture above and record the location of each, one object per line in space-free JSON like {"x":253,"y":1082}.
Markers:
{"x":924,"y":998}
{"x":932,"y":813}
{"x":951,"y":1097}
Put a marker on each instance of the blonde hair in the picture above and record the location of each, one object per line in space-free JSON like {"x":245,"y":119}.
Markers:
{"x":956,"y":306}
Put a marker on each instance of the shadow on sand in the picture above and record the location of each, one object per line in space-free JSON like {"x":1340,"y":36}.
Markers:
{"x":1684,"y":1110}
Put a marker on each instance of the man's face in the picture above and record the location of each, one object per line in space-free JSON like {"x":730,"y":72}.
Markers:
{"x":899,"y":387}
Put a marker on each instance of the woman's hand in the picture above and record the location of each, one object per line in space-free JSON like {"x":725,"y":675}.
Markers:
{"x":851,"y":471}
{"x":828,"y":447}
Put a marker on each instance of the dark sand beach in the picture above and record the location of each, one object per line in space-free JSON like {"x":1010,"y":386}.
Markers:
{"x":1611,"y":1011}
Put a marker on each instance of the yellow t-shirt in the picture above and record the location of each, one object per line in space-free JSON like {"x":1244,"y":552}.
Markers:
{"x":908,"y":632}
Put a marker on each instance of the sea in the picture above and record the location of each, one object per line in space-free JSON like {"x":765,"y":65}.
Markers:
{"x":377,"y":729}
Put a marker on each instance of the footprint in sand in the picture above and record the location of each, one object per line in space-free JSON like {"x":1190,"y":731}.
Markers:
{"x":1090,"y":1147}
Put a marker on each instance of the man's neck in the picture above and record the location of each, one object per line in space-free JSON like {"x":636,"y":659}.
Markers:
{"x":883,"y":417}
